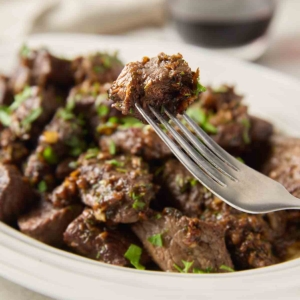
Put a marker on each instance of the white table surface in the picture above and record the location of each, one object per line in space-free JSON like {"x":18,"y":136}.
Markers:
{"x":283,"y":55}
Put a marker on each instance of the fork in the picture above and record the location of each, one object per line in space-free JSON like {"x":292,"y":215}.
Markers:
{"x":230,"y":180}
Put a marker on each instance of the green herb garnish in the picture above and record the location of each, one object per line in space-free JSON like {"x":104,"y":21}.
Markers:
{"x":199,"y":89}
{"x":73,"y":164}
{"x":226,"y":268}
{"x":102,"y":110}
{"x":42,"y":186}
{"x":156,"y":240}
{"x":91,"y":153}
{"x":20,"y":98}
{"x":33,"y":115}
{"x":199,"y":271}
{"x":112,"y":147}
{"x":246,"y":136}
{"x":49,"y":155}
{"x":25,"y":51}
{"x":210,"y":128}
{"x":114,"y":162}
{"x":193,"y":181}
{"x":187,"y":266}
{"x":5,"y":117}
{"x":197,"y":114}
{"x":65,"y":114}
{"x":240,"y":159}
{"x":133,"y":254}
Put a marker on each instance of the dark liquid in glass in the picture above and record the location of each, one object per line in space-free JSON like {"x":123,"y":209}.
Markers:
{"x":222,"y":34}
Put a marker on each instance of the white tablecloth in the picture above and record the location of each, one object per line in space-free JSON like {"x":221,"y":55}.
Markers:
{"x":283,"y":55}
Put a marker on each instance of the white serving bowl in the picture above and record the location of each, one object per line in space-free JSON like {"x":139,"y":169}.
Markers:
{"x":63,"y":275}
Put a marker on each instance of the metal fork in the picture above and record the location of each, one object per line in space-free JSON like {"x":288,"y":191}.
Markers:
{"x":232,"y":181}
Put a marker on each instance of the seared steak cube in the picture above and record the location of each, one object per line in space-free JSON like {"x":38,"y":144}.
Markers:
{"x":63,"y":137}
{"x":140,"y":141}
{"x":180,"y":189}
{"x":160,"y":81}
{"x":47,"y":223}
{"x":99,"y":67}
{"x":119,"y":190}
{"x":96,"y":240}
{"x":15,"y":194}
{"x":173,"y":239}
{"x":31,"y":110}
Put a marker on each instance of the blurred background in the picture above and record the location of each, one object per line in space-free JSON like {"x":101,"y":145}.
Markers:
{"x":264,"y":31}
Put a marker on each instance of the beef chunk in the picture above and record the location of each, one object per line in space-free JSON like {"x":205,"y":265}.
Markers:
{"x":47,"y":223}
{"x":91,"y":101}
{"x":99,"y":67}
{"x":64,"y":136}
{"x":31,"y":110}
{"x":284,"y":163}
{"x":98,"y":241}
{"x":39,"y":67}
{"x":119,"y":190}
{"x":180,"y":189}
{"x":6,"y":95}
{"x":222,"y":114}
{"x":160,"y":81}
{"x":13,"y":151}
{"x":183,"y":239}
{"x":248,"y":237}
{"x":15,"y":194}
{"x":141,"y":141}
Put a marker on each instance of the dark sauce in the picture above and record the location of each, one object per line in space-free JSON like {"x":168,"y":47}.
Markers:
{"x":222,"y":34}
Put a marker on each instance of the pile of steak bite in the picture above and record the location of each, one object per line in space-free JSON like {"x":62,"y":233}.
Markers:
{"x":79,"y":175}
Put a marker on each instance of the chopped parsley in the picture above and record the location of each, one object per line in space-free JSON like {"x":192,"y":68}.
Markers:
{"x":113,"y":120}
{"x":65,"y":114}
{"x":33,"y":115}
{"x":5,"y":117}
{"x":112,"y":147}
{"x":200,"y":117}
{"x":133,"y":254}
{"x":193,"y":181}
{"x":156,"y":240}
{"x":91,"y":153}
{"x":200,"y":88}
{"x":187,"y":266}
{"x":246,"y":136}
{"x":137,"y":204}
{"x":20,"y":98}
{"x":102,"y":110}
{"x":116,"y":163}
{"x":199,"y":271}
{"x":49,"y":155}
{"x":127,"y":122}
{"x":99,"y":69}
{"x":25,"y":51}
{"x":42,"y":186}
{"x":77,"y":145}
{"x":240,"y":159}
{"x":73,"y":164}
{"x":226,"y":268}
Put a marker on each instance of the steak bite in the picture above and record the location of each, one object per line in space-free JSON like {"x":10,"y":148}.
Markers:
{"x":97,"y":241}
{"x":222,"y":114}
{"x":63,"y":137}
{"x":180,"y":189}
{"x":140,"y":141}
{"x":6,"y":95}
{"x":119,"y":190}
{"x":249,"y":238}
{"x":47,"y":223}
{"x":15,"y":194}
{"x":91,"y":101}
{"x":13,"y":150}
{"x":39,"y":67}
{"x":160,"y":81}
{"x":173,"y":240}
{"x":31,"y":111}
{"x":283,"y":164}
{"x":99,"y":67}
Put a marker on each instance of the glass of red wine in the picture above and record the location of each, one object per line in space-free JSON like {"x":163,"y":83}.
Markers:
{"x":237,"y":27}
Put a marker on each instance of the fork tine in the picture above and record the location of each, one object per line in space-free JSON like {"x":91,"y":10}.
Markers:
{"x":199,"y":159}
{"x":206,"y":152}
{"x":211,"y":144}
{"x":206,"y":180}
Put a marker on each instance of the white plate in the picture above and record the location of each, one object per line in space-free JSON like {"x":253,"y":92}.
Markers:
{"x":62,"y":275}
